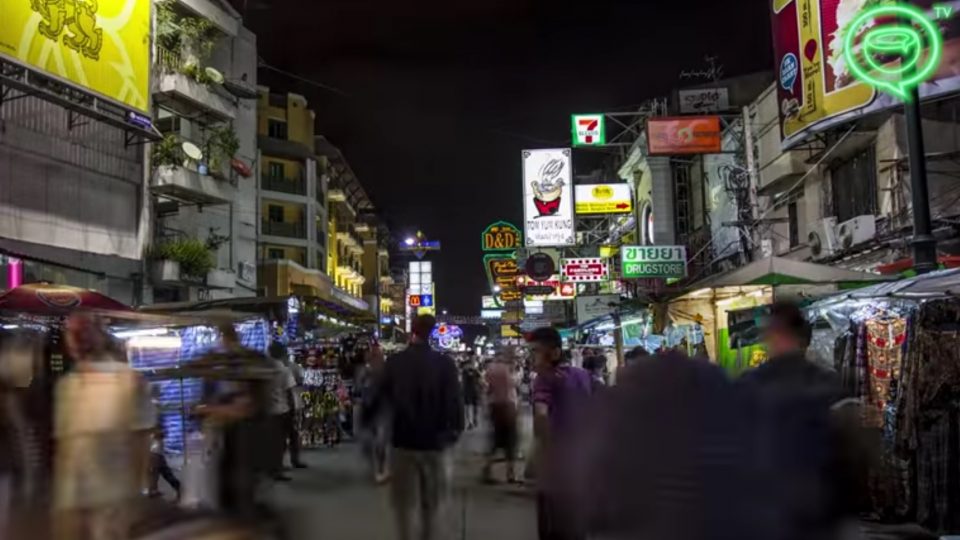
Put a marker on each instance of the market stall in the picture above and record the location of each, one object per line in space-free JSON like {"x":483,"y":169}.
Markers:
{"x":722,"y":316}
{"x":896,"y":347}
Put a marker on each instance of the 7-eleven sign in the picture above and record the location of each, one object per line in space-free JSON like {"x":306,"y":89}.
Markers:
{"x":589,"y":130}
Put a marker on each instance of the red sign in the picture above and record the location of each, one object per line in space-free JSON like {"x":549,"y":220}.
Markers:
{"x":684,"y":135}
{"x":584,"y":270}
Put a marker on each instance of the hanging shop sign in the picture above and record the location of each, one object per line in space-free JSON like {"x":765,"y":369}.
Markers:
{"x":584,"y":270}
{"x":102,"y":47}
{"x":604,"y":199}
{"x":540,"y":267}
{"x":538,"y":290}
{"x":548,"y":198}
{"x":588,"y":130}
{"x":503,"y":273}
{"x":593,"y":307}
{"x":421,"y":300}
{"x":684,"y":135}
{"x":488,"y":302}
{"x":653,"y":262}
{"x":837,"y":62}
{"x":704,"y":101}
{"x":501,"y":236}
{"x":560,"y":290}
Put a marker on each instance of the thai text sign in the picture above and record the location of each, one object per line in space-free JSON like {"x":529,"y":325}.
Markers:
{"x":684,"y":135}
{"x":584,"y":270}
{"x":654,"y":261}
{"x":604,"y":199}
{"x":100,"y":46}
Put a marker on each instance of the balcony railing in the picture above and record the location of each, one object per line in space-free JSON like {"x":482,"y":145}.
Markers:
{"x":285,"y":229}
{"x":293,"y":186}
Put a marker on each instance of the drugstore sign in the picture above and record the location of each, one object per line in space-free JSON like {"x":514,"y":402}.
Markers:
{"x":654,"y":262}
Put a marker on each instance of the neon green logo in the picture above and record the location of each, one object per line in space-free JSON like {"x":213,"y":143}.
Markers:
{"x":899,"y":48}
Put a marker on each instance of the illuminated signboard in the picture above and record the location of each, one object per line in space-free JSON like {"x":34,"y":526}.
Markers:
{"x":101,"y":46}
{"x":548,"y":198}
{"x":491,"y":314}
{"x":588,"y":130}
{"x":501,"y":236}
{"x":684,"y":135}
{"x":561,"y":290}
{"x":653,"y":261}
{"x":604,"y":199}
{"x":822,"y":81}
{"x":421,"y":300}
{"x":488,"y":302}
{"x":584,"y":270}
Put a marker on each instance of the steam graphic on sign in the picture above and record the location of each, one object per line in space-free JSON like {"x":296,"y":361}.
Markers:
{"x":893,"y":48}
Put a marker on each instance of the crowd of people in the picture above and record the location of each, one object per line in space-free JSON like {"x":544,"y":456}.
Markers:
{"x":674,"y":450}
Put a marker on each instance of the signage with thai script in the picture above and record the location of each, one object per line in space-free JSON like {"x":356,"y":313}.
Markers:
{"x":654,"y":261}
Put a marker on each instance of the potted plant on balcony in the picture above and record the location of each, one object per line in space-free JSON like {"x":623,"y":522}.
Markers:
{"x":222,"y":145}
{"x":186,"y":259}
{"x":185,"y":41}
{"x":167,"y":153}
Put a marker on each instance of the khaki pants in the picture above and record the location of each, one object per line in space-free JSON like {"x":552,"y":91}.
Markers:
{"x":418,"y":491}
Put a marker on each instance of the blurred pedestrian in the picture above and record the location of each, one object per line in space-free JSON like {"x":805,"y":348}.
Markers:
{"x":561,"y":392}
{"x":798,"y":444}
{"x":102,"y":423}
{"x":472,"y":384}
{"x":294,"y":425}
{"x":663,"y":446}
{"x":502,"y":404}
{"x":422,"y":388}
{"x":281,"y":408}
{"x":375,"y":424}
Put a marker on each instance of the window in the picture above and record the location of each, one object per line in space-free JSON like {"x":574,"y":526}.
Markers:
{"x":854,"y":184}
{"x":275,"y":170}
{"x":277,"y":129}
{"x":275,"y":253}
{"x":275,"y":213}
{"x":794,"y":224}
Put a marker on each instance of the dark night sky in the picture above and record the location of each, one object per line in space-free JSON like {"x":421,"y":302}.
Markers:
{"x":442,"y":95}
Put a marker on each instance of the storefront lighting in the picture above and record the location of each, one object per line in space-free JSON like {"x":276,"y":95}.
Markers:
{"x":140,"y":332}
{"x":410,"y":241}
{"x":155,"y":342}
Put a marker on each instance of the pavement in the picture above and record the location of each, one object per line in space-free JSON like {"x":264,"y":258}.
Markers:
{"x":336,"y":498}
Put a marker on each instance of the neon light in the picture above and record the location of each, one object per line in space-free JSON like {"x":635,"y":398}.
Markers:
{"x":880,"y":40}
{"x":14,"y":273}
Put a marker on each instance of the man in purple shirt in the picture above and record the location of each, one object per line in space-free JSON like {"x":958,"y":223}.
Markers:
{"x":560,"y":393}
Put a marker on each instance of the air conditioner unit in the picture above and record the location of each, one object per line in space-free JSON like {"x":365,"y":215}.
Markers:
{"x":857,"y":231}
{"x":824,"y":241}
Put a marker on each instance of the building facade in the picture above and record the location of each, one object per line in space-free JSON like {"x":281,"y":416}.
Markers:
{"x":203,"y":191}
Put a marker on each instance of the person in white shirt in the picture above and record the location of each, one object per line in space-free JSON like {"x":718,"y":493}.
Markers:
{"x":280,"y":408}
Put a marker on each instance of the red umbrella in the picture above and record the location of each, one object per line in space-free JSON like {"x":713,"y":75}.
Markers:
{"x":49,"y":299}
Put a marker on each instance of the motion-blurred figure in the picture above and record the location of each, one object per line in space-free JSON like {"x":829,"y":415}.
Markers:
{"x":472,"y":382}
{"x":799,"y":442}
{"x":666,"y":456}
{"x":422,"y":388}
{"x":103,"y":419}
{"x":374,"y":424}
{"x":281,"y":408}
{"x":502,"y":403}
{"x":294,"y":425}
{"x":560,"y":393}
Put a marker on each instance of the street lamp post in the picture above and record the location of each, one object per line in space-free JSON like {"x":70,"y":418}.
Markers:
{"x":924,"y":244}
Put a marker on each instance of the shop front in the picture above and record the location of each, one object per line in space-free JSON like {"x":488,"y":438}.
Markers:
{"x":721,"y":318}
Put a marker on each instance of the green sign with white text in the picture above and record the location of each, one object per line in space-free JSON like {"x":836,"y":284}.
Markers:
{"x":653,"y":262}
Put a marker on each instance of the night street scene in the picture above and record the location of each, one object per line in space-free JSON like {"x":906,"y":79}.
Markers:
{"x":479,"y":270}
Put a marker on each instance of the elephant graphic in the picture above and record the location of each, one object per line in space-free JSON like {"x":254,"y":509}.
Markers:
{"x":78,"y":17}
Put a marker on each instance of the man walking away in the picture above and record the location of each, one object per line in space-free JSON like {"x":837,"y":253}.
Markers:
{"x":798,"y":442}
{"x":422,"y":389}
{"x":471,"y":391}
{"x":560,"y":394}
{"x":502,"y":397}
{"x":296,"y":414}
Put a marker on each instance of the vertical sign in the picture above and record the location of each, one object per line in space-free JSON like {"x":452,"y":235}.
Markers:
{"x":548,"y":198}
{"x":589,"y":130}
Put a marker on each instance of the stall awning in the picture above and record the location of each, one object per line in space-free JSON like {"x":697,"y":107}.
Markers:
{"x":780,"y":271}
{"x":275,"y":305}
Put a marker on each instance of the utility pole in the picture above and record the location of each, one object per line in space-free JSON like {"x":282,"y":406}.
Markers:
{"x":924,"y":244}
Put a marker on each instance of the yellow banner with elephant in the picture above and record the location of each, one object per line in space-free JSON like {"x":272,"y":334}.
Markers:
{"x":97,"y":45}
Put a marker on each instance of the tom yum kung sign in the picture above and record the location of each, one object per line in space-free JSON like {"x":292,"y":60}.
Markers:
{"x":502,"y":236}
{"x":653,"y":262}
{"x":548,"y":198}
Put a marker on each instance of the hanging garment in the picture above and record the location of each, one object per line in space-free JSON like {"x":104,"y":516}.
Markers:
{"x":885,"y":338}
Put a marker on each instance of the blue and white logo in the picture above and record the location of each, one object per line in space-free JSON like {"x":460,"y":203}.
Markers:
{"x":789,"y":69}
